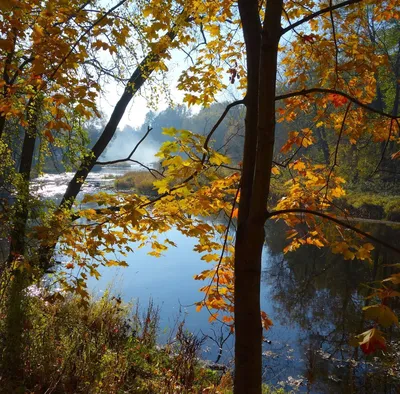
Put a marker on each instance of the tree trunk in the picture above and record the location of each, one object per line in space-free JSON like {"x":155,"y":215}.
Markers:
{"x":2,"y":125}
{"x":17,"y":246}
{"x":256,"y":173}
{"x":321,"y":134}
{"x":12,"y":355}
{"x":136,"y":81}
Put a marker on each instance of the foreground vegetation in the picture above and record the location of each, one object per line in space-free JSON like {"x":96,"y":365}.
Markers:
{"x":107,"y":347}
{"x":373,"y":206}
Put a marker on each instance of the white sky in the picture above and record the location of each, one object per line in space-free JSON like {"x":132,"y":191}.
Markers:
{"x":135,"y":114}
{"x":137,"y":109}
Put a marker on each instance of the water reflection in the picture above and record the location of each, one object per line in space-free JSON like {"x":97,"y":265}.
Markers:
{"x":314,"y":298}
{"x":320,"y":297}
{"x":53,"y":186}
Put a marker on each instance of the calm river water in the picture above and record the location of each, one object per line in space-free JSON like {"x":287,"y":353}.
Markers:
{"x":314,"y":298}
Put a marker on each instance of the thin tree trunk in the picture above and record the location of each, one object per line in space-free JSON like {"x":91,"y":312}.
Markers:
{"x":260,"y":102}
{"x":12,"y":355}
{"x":136,"y":81}
{"x":17,"y":246}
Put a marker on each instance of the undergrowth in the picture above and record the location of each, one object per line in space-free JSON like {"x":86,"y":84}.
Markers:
{"x":108,"y":347}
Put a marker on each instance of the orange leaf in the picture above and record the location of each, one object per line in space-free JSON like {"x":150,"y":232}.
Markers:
{"x":337,"y":99}
{"x":49,"y":136}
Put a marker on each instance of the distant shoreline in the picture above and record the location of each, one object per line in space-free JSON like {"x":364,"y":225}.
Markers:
{"x":365,"y":220}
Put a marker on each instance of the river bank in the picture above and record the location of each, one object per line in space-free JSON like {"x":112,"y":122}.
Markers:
{"x":109,"y":347}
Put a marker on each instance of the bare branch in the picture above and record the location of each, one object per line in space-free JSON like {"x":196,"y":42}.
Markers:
{"x":129,"y":158}
{"x":225,"y":239}
{"x":334,"y":40}
{"x":81,"y":8}
{"x":332,"y":219}
{"x":318,"y":13}
{"x":305,"y":92}
{"x":337,"y":149}
{"x":88,"y":30}
{"x":219,"y":121}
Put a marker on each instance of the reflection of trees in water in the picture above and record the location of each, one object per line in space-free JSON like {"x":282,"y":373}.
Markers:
{"x":323,"y":295}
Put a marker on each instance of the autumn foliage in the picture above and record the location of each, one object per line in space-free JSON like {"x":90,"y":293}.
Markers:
{"x":309,"y":65}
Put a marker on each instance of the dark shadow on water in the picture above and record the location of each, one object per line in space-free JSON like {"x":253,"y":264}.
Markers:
{"x":317,"y":299}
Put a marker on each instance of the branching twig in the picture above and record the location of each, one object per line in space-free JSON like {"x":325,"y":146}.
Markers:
{"x":188,"y":179}
{"x":131,"y":154}
{"x":318,"y":13}
{"x":337,"y":149}
{"x":305,"y":92}
{"x":88,"y":30}
{"x":332,"y":219}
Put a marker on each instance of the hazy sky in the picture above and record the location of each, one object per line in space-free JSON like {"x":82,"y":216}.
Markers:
{"x":137,"y":109}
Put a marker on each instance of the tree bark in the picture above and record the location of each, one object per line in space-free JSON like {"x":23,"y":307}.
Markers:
{"x":2,"y":124}
{"x":257,"y":163}
{"x":321,"y":134}
{"x":17,"y":246}
{"x":247,"y":354}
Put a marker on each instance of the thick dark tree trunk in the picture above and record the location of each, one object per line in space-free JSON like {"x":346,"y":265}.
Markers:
{"x":247,"y":281}
{"x":2,"y":125}
{"x":261,"y":50}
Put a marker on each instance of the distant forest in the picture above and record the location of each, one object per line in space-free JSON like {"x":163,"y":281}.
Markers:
{"x":366,"y":166}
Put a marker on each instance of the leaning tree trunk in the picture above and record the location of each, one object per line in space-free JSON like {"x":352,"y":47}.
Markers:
{"x":136,"y":81}
{"x":261,"y":53}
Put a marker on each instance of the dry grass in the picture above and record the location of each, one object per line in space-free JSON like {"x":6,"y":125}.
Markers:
{"x":140,"y":181}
